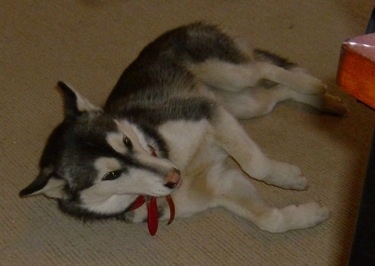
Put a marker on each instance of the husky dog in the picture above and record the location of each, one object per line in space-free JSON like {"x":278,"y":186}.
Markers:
{"x":170,"y":127}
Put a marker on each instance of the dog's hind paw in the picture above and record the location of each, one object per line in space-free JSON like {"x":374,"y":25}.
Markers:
{"x":333,"y":105}
{"x":306,"y":84}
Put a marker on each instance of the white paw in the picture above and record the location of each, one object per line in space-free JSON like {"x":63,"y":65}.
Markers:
{"x":303,"y":216}
{"x":293,"y":217}
{"x":307,"y":84}
{"x":287,"y":176}
{"x":314,"y":213}
{"x":300,"y":183}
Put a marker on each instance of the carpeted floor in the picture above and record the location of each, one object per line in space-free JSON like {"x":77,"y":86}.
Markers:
{"x":89,"y":42}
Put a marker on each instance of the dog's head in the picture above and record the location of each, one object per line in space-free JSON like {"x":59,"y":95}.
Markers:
{"x":96,"y":166}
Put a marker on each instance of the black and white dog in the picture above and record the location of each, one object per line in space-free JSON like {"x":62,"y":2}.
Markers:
{"x":168,"y":129}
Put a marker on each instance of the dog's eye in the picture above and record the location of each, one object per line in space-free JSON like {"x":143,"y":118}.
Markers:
{"x":127,"y":142}
{"x":112,"y":175}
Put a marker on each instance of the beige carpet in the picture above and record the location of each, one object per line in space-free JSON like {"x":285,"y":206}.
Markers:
{"x":88,"y":43}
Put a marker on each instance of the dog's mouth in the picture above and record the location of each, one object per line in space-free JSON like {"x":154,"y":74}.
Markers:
{"x":173,"y":180}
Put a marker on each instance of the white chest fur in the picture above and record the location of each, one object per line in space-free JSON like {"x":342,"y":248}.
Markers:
{"x":183,"y":139}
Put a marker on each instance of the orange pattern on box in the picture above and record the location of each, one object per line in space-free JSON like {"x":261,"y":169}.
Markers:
{"x":356,"y":71}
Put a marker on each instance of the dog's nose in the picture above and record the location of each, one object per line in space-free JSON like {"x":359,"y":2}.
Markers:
{"x":173,"y":179}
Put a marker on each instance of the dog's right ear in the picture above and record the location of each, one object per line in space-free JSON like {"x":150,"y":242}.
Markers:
{"x":74,"y":103}
{"x":48,"y":185}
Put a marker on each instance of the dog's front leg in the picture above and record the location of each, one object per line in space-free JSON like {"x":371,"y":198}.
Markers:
{"x":233,"y":139}
{"x":234,"y":192}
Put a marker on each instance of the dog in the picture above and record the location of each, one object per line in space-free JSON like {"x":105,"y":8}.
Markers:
{"x":169,"y":131}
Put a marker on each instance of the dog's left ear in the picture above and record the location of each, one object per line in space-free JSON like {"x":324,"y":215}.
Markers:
{"x":74,"y":103}
{"x":48,"y":185}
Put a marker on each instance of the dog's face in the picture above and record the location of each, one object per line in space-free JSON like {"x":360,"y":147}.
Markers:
{"x":97,"y":166}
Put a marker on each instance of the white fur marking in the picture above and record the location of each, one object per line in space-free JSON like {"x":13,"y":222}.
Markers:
{"x":183,"y":138}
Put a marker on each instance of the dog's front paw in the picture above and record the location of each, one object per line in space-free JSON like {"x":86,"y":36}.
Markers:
{"x":287,"y":176}
{"x":304,"y":216}
{"x":293,"y":217}
{"x":314,"y":213}
{"x":299,"y":183}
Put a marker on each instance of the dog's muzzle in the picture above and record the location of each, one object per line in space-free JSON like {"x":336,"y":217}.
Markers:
{"x":173,"y":179}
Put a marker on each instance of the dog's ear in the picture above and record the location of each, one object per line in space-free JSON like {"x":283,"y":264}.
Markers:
{"x":74,"y":103}
{"x":48,"y":185}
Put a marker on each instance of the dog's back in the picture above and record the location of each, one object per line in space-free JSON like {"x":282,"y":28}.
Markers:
{"x":160,"y":75}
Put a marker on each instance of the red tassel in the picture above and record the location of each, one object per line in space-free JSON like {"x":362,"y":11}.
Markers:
{"x":171,"y":209}
{"x":139,"y":201}
{"x":152,"y":211}
{"x":152,"y":220}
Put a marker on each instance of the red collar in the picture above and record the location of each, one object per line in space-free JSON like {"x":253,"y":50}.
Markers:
{"x":152,"y":211}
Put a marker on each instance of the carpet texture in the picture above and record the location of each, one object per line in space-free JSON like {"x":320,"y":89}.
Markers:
{"x":88,"y":43}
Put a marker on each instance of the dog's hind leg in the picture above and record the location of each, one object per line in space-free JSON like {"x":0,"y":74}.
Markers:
{"x":235,"y":192}
{"x":259,"y":101}
{"x":236,"y":77}
{"x":231,"y":137}
{"x":252,"y":102}
{"x":240,"y":87}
